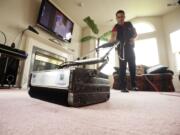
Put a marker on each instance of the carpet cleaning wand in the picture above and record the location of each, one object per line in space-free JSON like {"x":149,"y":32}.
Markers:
{"x":123,"y":52}
{"x":90,"y":61}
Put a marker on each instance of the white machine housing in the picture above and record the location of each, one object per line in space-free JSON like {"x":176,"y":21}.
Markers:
{"x":57,"y":79}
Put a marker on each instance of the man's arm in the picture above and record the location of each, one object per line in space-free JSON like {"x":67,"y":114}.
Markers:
{"x":113,"y":36}
{"x":135,"y":33}
{"x":131,"y":40}
{"x":133,"y":30}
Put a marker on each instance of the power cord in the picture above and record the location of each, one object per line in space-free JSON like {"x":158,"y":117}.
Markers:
{"x":4,"y":35}
{"x":20,"y":35}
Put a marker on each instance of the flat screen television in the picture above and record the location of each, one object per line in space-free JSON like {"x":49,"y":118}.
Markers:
{"x":55,"y":22}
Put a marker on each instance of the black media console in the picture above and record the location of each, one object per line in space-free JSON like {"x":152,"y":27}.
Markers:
{"x":9,"y":64}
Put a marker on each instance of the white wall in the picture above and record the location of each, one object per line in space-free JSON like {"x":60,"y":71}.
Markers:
{"x":16,"y":15}
{"x":88,"y":46}
{"x":172,"y":23}
{"x":159,"y":34}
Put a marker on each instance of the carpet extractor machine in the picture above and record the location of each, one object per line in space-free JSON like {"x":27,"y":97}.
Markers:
{"x":81,"y":86}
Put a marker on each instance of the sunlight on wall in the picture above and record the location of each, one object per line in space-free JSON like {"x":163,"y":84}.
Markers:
{"x":147,"y":52}
{"x":178,"y":61}
{"x":143,"y":27}
{"x":175,"y":41}
{"x":109,"y":68}
{"x":175,"y":44}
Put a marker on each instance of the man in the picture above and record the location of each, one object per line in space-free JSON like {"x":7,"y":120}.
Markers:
{"x":125,"y":33}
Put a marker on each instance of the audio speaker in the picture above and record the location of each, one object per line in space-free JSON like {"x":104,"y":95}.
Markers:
{"x":8,"y":70}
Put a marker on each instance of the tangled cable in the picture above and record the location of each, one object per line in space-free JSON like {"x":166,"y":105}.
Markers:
{"x":4,"y":35}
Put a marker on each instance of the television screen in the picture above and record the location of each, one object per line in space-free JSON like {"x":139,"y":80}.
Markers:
{"x":54,"y":21}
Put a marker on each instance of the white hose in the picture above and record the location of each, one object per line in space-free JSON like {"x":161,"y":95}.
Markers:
{"x":123,"y":57}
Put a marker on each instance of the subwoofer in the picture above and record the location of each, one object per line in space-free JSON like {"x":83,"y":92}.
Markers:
{"x":8,"y":70}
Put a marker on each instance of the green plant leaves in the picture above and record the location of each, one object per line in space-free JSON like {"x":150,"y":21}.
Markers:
{"x":106,"y":34}
{"x":91,"y":24}
{"x":87,"y":38}
{"x":104,"y":39}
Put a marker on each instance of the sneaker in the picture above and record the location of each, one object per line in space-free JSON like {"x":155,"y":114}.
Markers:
{"x":135,"y":89}
{"x":125,"y":90}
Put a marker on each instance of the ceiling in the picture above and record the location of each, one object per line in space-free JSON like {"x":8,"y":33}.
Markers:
{"x":103,"y":11}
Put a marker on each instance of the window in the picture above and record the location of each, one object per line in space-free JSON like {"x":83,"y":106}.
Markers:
{"x":178,"y":61}
{"x":175,"y":42}
{"x":147,"y":52}
{"x":143,"y":28}
{"x":109,"y":68}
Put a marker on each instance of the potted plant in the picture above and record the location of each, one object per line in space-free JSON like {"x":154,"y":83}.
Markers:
{"x":94,"y":28}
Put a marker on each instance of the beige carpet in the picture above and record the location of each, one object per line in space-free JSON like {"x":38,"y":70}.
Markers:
{"x":135,"y":113}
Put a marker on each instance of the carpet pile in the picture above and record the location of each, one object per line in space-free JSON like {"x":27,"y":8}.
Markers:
{"x":134,"y":113}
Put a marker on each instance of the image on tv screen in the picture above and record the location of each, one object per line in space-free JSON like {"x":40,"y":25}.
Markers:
{"x":55,"y":21}
{"x":62,"y":26}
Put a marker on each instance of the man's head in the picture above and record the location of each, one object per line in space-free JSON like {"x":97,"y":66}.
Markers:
{"x":120,"y":16}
